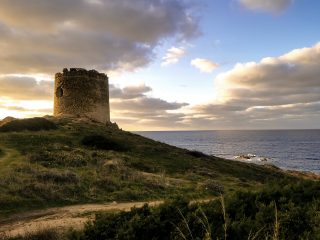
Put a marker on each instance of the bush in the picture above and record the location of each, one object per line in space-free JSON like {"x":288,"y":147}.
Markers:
{"x":140,"y":223}
{"x":102,"y":143}
{"x":197,"y":154}
{"x":108,"y":184}
{"x":214,"y":186}
{"x":245,"y":214}
{"x":30,"y":124}
{"x":43,"y":191}
{"x":57,"y":177}
{"x":63,"y":158}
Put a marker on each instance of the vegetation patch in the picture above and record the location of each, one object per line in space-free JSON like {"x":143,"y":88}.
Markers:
{"x":280,"y":210}
{"x":75,"y":158}
{"x":29,"y":124}
{"x":197,"y":154}
{"x":102,"y":143}
{"x":81,"y":162}
{"x":57,"y":177}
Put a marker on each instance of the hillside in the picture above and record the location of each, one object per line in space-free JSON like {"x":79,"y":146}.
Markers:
{"x":49,"y":162}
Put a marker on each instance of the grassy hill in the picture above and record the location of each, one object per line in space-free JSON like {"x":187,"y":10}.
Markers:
{"x":53,"y":162}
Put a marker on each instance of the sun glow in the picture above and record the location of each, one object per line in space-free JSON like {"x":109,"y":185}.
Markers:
{"x":24,"y":109}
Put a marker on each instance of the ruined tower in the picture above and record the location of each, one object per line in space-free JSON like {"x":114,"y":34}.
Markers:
{"x":82,"y":93}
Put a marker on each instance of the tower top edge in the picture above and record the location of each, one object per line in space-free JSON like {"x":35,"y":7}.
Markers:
{"x":81,"y":72}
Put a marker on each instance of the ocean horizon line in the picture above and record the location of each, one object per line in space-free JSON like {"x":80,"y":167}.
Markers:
{"x":195,"y":130}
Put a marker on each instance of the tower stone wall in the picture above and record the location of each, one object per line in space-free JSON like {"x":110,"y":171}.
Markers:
{"x":82,"y":93}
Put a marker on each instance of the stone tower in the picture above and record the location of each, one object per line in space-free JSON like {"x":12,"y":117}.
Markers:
{"x":82,"y":93}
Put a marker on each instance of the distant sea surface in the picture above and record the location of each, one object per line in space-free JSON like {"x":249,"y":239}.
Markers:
{"x":287,"y":149}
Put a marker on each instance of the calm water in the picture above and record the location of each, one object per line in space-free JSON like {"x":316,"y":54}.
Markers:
{"x":288,"y":149}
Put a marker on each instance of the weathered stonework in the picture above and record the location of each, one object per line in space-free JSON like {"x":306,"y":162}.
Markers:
{"x":81,"y":93}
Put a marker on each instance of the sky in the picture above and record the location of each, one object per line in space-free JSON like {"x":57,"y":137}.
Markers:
{"x":172,"y":64}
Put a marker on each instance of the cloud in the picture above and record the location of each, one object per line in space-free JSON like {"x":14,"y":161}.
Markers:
{"x":274,"y":6}
{"x":173,"y":55}
{"x":279,"y":91}
{"x":204,"y":65}
{"x":131,"y":107}
{"x":45,"y":36}
{"x":25,"y":88}
{"x":23,"y":108}
{"x":276,"y":92}
{"x":22,"y":96}
{"x":129,"y":92}
{"x":290,"y":78}
{"x":145,"y":105}
{"x":35,"y":112}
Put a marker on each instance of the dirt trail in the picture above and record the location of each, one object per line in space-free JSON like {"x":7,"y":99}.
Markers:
{"x":61,"y":218}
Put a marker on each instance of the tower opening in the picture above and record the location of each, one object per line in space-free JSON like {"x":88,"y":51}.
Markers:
{"x":59,"y":92}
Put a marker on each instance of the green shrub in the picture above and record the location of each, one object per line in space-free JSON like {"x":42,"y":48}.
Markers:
{"x":197,"y":154}
{"x":108,"y":184}
{"x":63,"y":158}
{"x":43,"y":191}
{"x":214,"y":186}
{"x":30,"y":124}
{"x":102,"y":143}
{"x":57,"y":177}
{"x":244,"y":214}
{"x":140,"y":223}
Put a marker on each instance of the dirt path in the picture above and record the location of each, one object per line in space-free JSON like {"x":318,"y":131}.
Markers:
{"x":61,"y":218}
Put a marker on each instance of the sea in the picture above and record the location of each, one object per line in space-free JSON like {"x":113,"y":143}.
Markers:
{"x":288,"y":149}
